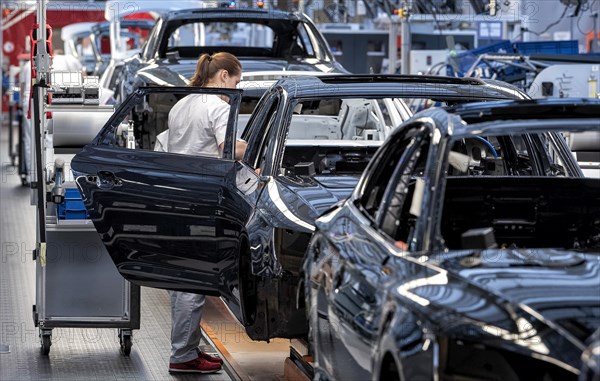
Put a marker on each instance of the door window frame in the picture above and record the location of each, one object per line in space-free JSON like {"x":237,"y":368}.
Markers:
{"x":107,"y":135}
{"x":262,"y":128}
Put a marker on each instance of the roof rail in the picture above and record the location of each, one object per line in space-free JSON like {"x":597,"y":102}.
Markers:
{"x":543,"y":108}
{"x":357,"y":78}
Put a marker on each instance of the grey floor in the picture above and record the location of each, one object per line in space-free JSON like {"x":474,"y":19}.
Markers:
{"x":76,"y":354}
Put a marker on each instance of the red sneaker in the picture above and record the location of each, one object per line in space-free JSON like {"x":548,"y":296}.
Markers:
{"x":198,"y":365}
{"x":210,"y":358}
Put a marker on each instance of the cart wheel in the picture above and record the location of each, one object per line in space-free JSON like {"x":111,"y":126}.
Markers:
{"x":125,"y":341}
{"x":24,"y":181}
{"x":46,"y":341}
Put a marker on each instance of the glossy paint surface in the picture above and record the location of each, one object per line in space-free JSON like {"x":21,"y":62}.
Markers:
{"x":381,"y":313}
{"x":214,"y":226}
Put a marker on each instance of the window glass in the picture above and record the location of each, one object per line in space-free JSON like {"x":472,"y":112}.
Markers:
{"x":149,"y":47}
{"x":134,"y":37}
{"x":267,"y":141}
{"x":552,"y":154}
{"x":103,"y":44}
{"x":139,"y":128}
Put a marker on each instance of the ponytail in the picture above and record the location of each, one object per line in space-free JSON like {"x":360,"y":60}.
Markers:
{"x":209,"y":65}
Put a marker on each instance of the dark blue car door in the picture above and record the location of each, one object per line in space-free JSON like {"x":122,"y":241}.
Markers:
{"x":168,"y":220}
{"x":351,"y":309}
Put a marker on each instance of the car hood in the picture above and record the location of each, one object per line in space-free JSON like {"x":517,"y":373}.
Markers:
{"x":172,"y":72}
{"x":544,"y":300}
{"x":307,"y":199}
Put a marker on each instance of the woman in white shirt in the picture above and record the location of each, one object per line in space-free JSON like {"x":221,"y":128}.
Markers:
{"x":197,"y":126}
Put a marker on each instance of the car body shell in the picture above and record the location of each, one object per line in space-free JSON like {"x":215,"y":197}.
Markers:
{"x":381,"y":313}
{"x":153,"y":66}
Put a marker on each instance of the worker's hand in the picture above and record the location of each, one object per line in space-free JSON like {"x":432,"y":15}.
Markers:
{"x":401,"y":245}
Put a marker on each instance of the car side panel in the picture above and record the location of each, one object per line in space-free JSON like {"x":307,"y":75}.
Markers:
{"x":346,"y":298}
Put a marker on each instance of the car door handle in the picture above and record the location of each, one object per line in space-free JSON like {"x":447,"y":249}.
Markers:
{"x":106,"y":180}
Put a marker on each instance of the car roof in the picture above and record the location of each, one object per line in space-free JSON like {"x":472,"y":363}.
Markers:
{"x":235,"y":13}
{"x":263,"y":80}
{"x":440,"y":88}
{"x":532,"y":116}
{"x":548,"y":108}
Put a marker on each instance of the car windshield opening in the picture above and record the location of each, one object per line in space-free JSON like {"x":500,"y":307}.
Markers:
{"x":243,"y":39}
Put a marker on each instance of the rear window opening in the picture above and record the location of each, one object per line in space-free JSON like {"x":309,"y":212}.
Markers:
{"x":243,"y":39}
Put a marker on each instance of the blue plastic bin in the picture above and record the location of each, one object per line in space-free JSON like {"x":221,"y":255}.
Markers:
{"x":72,"y":207}
{"x":547,"y":47}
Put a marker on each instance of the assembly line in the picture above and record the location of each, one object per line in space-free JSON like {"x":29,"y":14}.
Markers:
{"x":300,"y":190}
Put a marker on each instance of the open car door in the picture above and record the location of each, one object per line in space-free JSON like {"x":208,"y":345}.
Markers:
{"x":167,"y":220}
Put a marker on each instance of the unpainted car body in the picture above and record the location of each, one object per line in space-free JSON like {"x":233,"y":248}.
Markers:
{"x":466,"y":252}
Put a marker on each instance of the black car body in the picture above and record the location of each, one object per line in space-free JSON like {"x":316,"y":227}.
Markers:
{"x":215,"y":226}
{"x":263,"y":40}
{"x":466,"y":252}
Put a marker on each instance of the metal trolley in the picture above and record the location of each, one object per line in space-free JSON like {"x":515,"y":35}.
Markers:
{"x":77,"y":284}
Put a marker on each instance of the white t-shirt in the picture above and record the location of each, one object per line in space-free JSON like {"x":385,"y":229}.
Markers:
{"x":197,"y":125}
